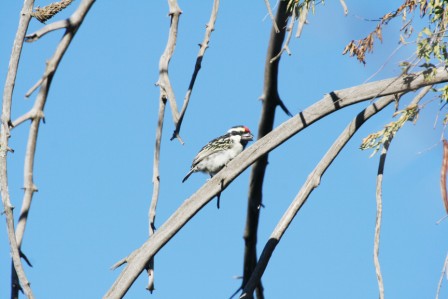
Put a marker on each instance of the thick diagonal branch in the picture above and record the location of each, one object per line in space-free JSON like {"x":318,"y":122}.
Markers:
{"x":313,"y":182}
{"x":138,"y":259}
{"x":310,"y":184}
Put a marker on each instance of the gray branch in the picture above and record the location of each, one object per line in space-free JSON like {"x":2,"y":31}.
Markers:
{"x":310,"y":184}
{"x":331,"y":102}
{"x":18,"y":271}
{"x":36,"y":115}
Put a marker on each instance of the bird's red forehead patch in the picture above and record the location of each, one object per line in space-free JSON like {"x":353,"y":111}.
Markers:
{"x":246,"y":129}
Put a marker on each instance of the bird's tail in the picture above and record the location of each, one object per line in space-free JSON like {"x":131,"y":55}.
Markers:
{"x":188,"y":175}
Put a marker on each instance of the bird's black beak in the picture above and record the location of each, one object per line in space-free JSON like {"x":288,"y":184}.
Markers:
{"x":248,"y":136}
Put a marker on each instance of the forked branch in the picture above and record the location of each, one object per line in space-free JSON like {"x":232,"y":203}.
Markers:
{"x":36,"y":115}
{"x":310,"y":184}
{"x":166,"y":90}
{"x":270,"y":99}
{"x":336,"y":100}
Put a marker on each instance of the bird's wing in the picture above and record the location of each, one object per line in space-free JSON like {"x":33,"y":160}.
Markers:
{"x":216,"y":145}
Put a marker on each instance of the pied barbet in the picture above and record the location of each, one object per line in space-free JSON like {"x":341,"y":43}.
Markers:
{"x":218,"y":152}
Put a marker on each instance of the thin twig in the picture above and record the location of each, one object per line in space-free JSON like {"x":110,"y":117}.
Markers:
{"x":344,"y":6}
{"x":285,"y":47}
{"x":156,"y":187}
{"x":302,"y":18}
{"x":311,"y":183}
{"x":164,"y":83}
{"x":35,"y":86}
{"x":18,"y":273}
{"x":336,"y":100}
{"x":379,"y":213}
{"x":119,"y":263}
{"x":47,"y":29}
{"x":443,"y":173}
{"x":210,"y":27}
{"x":444,"y":268}
{"x":271,"y":15}
{"x":23,"y":118}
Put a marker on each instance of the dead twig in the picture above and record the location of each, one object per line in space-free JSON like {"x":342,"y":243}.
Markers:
{"x":443,"y":175}
{"x":166,"y":90}
{"x":47,"y":29}
{"x":288,"y":38}
{"x":379,"y":213}
{"x":302,"y":18}
{"x":210,"y":27}
{"x":271,"y":15}
{"x":439,"y":285}
{"x":156,"y":187}
{"x":344,"y":7}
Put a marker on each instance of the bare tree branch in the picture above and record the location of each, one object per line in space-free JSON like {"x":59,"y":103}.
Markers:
{"x":289,"y":29}
{"x":23,"y":118}
{"x":46,"y":29}
{"x":156,"y":186}
{"x":336,"y":100}
{"x":25,"y":18}
{"x":379,"y":213}
{"x":8,"y":90}
{"x":379,"y":200}
{"x":210,"y":27}
{"x":36,"y":115}
{"x":314,"y":180}
{"x":443,"y":172}
{"x":439,"y":285}
{"x":271,"y":15}
{"x":311,"y":183}
{"x":302,"y":18}
{"x":270,"y":99}
{"x":164,"y":81}
{"x":344,"y":7}
{"x":166,"y":92}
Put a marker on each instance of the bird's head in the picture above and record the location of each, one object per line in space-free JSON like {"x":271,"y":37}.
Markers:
{"x":242,"y":131}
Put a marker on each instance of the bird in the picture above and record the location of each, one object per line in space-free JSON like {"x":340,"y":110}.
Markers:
{"x":218,"y":152}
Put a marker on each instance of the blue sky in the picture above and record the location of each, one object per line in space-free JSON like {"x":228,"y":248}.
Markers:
{"x":94,"y":158}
